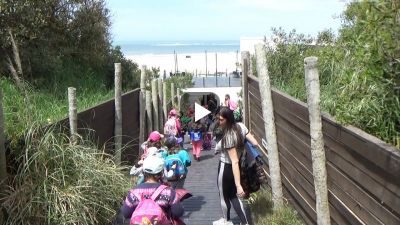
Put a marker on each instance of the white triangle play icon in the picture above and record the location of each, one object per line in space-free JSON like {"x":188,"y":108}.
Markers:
{"x":200,"y":112}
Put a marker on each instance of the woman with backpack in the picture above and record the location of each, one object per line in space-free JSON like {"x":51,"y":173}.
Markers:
{"x":229,"y":186}
{"x":162,"y":200}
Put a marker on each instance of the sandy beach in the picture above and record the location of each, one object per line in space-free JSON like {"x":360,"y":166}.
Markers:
{"x":190,"y":62}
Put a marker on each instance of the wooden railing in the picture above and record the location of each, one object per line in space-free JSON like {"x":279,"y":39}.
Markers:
{"x":98,"y":123}
{"x":363,"y":171}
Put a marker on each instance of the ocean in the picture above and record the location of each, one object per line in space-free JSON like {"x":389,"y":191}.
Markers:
{"x":180,"y":47}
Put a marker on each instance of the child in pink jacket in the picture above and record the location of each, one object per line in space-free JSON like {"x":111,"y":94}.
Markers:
{"x":197,"y":139}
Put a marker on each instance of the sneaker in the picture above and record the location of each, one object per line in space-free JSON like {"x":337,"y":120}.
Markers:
{"x":222,"y":221}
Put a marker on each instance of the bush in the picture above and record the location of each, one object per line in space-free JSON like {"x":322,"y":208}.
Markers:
{"x":59,"y":183}
{"x":182,"y":82}
{"x":354,"y":88}
{"x":262,"y":208}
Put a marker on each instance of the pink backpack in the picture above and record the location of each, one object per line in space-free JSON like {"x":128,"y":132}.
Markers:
{"x":148,"y":212}
{"x":170,"y":127}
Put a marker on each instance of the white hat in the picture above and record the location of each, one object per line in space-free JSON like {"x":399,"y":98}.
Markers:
{"x":152,"y":151}
{"x":153,"y":165}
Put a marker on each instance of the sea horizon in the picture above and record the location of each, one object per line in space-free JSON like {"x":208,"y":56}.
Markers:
{"x":179,"y":47}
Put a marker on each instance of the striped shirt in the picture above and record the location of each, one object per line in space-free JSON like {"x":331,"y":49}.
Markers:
{"x":229,"y":141}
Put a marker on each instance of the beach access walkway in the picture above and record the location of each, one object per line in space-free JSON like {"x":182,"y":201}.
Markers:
{"x":204,"y":207}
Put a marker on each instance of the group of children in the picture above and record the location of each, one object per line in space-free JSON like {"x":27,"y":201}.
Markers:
{"x":161,"y":170}
{"x":176,"y":160}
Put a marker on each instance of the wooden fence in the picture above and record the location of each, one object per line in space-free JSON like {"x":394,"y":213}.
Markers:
{"x":98,"y":122}
{"x":363,"y":171}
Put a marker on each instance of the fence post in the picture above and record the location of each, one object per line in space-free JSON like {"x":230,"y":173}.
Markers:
{"x":155,"y":104}
{"x":118,"y":114}
{"x":206,"y":65}
{"x":245,"y":88}
{"x":216,"y":70}
{"x":317,"y":142}
{"x":149,"y":112}
{"x":142,"y":104}
{"x":178,"y":95}
{"x":173,"y":95}
{"x":73,"y":120}
{"x":269,"y":126}
{"x":216,"y":64}
{"x":165,"y":101}
{"x":160,"y":103}
{"x":3,"y":162}
{"x":250,"y":63}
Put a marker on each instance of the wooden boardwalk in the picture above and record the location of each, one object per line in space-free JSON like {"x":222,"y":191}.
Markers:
{"x":204,"y":207}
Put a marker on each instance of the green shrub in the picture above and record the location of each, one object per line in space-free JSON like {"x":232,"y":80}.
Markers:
{"x":350,"y":92}
{"x":263,"y":213}
{"x":59,"y":183}
{"x":180,"y":81}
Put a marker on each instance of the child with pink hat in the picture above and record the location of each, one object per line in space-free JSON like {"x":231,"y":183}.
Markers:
{"x":154,"y":140}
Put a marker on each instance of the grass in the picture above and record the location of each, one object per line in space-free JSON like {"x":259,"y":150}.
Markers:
{"x":52,"y":182}
{"x":263,"y":213}
{"x":46,"y":105}
{"x":59,"y":183}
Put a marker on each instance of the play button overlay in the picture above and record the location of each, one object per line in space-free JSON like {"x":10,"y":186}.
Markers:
{"x":200,"y":112}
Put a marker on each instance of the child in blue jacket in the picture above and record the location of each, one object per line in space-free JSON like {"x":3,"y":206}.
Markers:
{"x":176,"y":162}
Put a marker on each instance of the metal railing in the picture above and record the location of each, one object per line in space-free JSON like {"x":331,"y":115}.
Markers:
{"x":207,"y":82}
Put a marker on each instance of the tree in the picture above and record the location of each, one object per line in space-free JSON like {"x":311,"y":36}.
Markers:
{"x":53,"y":35}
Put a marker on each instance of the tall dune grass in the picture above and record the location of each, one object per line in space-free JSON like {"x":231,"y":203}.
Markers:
{"x":59,"y":183}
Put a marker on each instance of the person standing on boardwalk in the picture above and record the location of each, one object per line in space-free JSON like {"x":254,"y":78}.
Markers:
{"x":229,"y":187}
{"x":232,"y":105}
{"x":217,"y":132}
{"x":196,"y":136}
{"x":212,"y":104}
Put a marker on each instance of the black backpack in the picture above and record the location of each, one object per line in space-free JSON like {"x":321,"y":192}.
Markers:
{"x":252,"y":175}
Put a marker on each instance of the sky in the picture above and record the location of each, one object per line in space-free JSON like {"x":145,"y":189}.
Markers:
{"x":187,"y":20}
